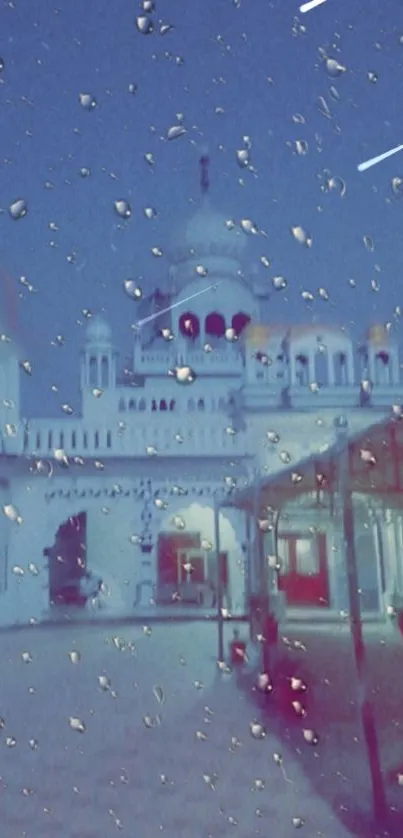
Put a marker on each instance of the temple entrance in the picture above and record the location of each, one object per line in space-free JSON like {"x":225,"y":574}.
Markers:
{"x":304,"y":573}
{"x":187,"y":572}
{"x":67,"y":562}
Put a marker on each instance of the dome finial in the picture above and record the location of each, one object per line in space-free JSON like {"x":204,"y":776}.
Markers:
{"x":204,"y":163}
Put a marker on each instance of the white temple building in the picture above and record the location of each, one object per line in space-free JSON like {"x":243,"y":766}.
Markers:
{"x":214,"y":395}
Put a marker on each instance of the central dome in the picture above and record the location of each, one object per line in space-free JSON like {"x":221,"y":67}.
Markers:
{"x":207,"y":233}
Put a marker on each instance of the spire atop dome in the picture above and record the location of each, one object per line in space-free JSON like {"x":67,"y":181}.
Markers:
{"x":204,"y":164}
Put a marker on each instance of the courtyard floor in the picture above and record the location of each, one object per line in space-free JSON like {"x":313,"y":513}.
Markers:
{"x":133,"y":730}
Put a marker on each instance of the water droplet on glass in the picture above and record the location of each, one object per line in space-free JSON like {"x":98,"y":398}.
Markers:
{"x":333,"y":68}
{"x":119,"y":643}
{"x":297,"y":822}
{"x":26,"y":657}
{"x":372,"y":77}
{"x":11,"y":512}
{"x":87,"y":101}
{"x":201,"y":736}
{"x":279,"y":283}
{"x":104,"y":682}
{"x":397,"y":186}
{"x":301,"y":147}
{"x":159,"y":694}
{"x":257,"y":730}
{"x":33,"y":744}
{"x":85,"y":171}
{"x":369,"y":243}
{"x":201,"y":270}
{"x":132,"y":88}
{"x":122,"y":208}
{"x":150,"y":212}
{"x":249,"y":227}
{"x":17,"y":570}
{"x":144,"y":25}
{"x":77,"y":725}
{"x":132,"y":289}
{"x":285,"y":457}
{"x":301,"y":236}
{"x":175,"y":131}
{"x":74,"y":657}
{"x":184,"y":375}
{"x":243,"y":158}
{"x":178,"y":522}
{"x":10,"y":741}
{"x":310,"y":736}
{"x":18,"y":209}
{"x":2,"y":64}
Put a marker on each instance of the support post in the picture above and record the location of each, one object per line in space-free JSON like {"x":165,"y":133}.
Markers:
{"x":220,"y":617}
{"x":363,"y":699}
{"x":248,"y":579}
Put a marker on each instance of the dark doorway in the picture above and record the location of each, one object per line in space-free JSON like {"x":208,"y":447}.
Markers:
{"x":304,"y":572}
{"x":67,"y":562}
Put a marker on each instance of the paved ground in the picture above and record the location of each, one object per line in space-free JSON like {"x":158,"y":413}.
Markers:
{"x":338,"y":765}
{"x":166,"y":746}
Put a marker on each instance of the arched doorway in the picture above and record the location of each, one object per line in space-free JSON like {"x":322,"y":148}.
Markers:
{"x":239,"y":322}
{"x":67,"y":559}
{"x":215,"y":325}
{"x":189,"y":325}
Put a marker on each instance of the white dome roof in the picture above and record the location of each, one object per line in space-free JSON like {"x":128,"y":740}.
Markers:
{"x":207,"y":233}
{"x":98,"y":332}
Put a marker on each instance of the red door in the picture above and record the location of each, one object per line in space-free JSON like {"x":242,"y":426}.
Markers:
{"x":304,"y":574}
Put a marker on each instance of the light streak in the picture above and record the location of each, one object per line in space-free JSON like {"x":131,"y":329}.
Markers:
{"x":374,"y":160}
{"x":306,"y":7}
{"x":174,"y":305}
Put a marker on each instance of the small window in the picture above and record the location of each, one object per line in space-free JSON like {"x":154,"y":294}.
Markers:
{"x":200,"y":404}
{"x":104,"y":372}
{"x":132,"y":404}
{"x":93,"y":372}
{"x":38,"y":440}
{"x":74,"y":440}
{"x":85,"y":439}
{"x":142,"y":404}
{"x":96,"y":439}
{"x":122,"y":405}
{"x":191,"y":405}
{"x":163,"y":405}
{"x":154,"y":405}
{"x":172,"y":405}
{"x":108,"y":439}
{"x":50,"y":440}
{"x":61,"y":440}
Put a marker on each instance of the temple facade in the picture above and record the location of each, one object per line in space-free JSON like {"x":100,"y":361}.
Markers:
{"x":214,"y":395}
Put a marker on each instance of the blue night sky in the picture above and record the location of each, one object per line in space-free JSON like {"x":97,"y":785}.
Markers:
{"x":230,"y":51}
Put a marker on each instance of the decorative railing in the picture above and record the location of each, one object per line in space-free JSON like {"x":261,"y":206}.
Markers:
{"x":175,"y":437}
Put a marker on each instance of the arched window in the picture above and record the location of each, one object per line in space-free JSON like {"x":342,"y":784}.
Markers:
{"x":154,"y":406}
{"x":240,"y":321}
{"x":200,"y":404}
{"x":142,"y":404}
{"x":215,"y":325}
{"x":96,"y":439}
{"x":340,"y":369}
{"x":163,"y":405}
{"x":93,"y":372}
{"x":321,"y":368}
{"x":189,"y":325}
{"x":61,"y":439}
{"x":191,"y":405}
{"x":172,"y":405}
{"x":122,"y":405}
{"x":104,"y":372}
{"x":85,"y":439}
{"x":108,"y":439}
{"x":382,"y":367}
{"x":222,"y":403}
{"x":74,"y":440}
{"x":50,"y":440}
{"x":132,"y":404}
{"x":302,"y":369}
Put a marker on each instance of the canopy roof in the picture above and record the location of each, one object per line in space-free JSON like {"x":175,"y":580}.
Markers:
{"x":375,"y":468}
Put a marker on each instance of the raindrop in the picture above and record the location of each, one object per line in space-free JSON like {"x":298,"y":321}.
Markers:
{"x":87,"y":101}
{"x":122,"y":208}
{"x":61,"y":457}
{"x":175,"y":131}
{"x":338,"y":184}
{"x":257,"y":730}
{"x":150,"y":212}
{"x":201,"y":270}
{"x":242,"y":158}
{"x":85,"y":171}
{"x":157,"y":251}
{"x":273,"y":437}
{"x":2,"y":64}
{"x":67,"y":409}
{"x":279,"y":283}
{"x":132,"y":88}
{"x":301,"y":236}
{"x":333,"y":68}
{"x":26,"y":366}
{"x":77,"y":725}
{"x":372,"y":77}
{"x":74,"y":657}
{"x":26,"y":657}
{"x":132,"y":290}
{"x":265,"y":261}
{"x":33,"y":744}
{"x":18,"y":209}
{"x":33,"y":569}
{"x":148,"y":6}
{"x":297,"y":822}
{"x":159,"y":694}
{"x":397,"y":186}
{"x":10,"y":741}
{"x":249,"y":227}
{"x":119,"y":643}
{"x":307,"y":296}
{"x":285,"y":457}
{"x":231,"y":335}
{"x":310,"y":736}
{"x":178,"y":522}
{"x":104,"y":682}
{"x":144,"y":25}
{"x":12,"y":513}
{"x":301,"y":147}
{"x":324,"y":295}
{"x":183,"y":375}
{"x":323,"y":108}
{"x":299,"y":119}
{"x":151,"y":451}
{"x":18,"y":571}
{"x":369,"y":243}
{"x":201,"y":736}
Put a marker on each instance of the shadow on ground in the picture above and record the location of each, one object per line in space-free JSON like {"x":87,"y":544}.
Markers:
{"x":318,"y":721}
